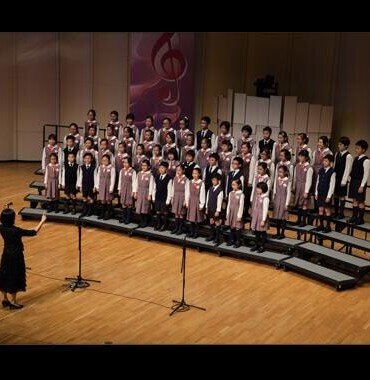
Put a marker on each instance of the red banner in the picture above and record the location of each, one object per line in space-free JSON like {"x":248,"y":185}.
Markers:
{"x":162,"y":76}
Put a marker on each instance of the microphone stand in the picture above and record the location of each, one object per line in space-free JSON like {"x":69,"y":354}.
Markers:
{"x":79,"y":282}
{"x":180,"y":306}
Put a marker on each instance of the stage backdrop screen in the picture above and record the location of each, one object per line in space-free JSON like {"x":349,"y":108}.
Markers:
{"x":162,"y":76}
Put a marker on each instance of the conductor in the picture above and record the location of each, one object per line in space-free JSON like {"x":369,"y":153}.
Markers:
{"x":12,"y":267}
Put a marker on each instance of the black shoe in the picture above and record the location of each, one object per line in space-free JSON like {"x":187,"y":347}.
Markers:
{"x":237,"y":244}
{"x":5,"y":303}
{"x":261,"y":249}
{"x":15,"y":306}
{"x":210,"y":237}
{"x":102,"y":212}
{"x":254,"y":248}
{"x":90,"y":209}
{"x":277,"y":236}
{"x":302,"y":224}
{"x":319,"y":228}
{"x":73,"y":208}
{"x":174,"y":231}
{"x":281,"y":237}
{"x":180,"y":230}
{"x":128,"y":215}
{"x":340,"y":216}
{"x":353,"y":219}
{"x":326,"y":230}
{"x":163,"y":228}
{"x":359,"y":221}
{"x":66,"y":208}
{"x":84,"y":210}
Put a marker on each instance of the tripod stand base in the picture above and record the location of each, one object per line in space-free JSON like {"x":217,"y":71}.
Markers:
{"x":181,"y":306}
{"x":78,"y":283}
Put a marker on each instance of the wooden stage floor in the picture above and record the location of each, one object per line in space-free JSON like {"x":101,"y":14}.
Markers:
{"x":246,"y":302}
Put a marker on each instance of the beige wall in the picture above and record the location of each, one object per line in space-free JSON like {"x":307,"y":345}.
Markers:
{"x":52,"y":78}
{"x":56,"y":77}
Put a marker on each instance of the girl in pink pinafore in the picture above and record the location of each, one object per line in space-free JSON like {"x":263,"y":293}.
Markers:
{"x":180,"y":182}
{"x":51,"y":181}
{"x":259,"y":223}
{"x":143,"y":190}
{"x":203,"y":153}
{"x":104,"y":184}
{"x":234,"y":213}
{"x":195,"y":198}
{"x":127,"y":177}
{"x":282,"y":192}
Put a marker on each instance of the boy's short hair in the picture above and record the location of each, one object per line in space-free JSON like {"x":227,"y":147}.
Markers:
{"x":329,"y":157}
{"x":247,"y":128}
{"x":268,"y":129}
{"x":239,"y":160}
{"x":345,"y":141}
{"x":363,"y":144}
{"x":215,"y":156}
{"x":207,"y":119}
{"x":217,"y":176}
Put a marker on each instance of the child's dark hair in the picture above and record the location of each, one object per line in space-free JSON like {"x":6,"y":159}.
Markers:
{"x":54,"y":155}
{"x":173,"y":151}
{"x":70,"y":137}
{"x":329,"y":157}
{"x":263,"y":186}
{"x":284,"y":168}
{"x":247,"y":128}
{"x":115,"y":113}
{"x":325,"y":140}
{"x":247,"y":144}
{"x":225,"y":124}
{"x":168,"y":119}
{"x":164,"y":164}
{"x":149,"y":117}
{"x":304,"y":137}
{"x":106,"y":155}
{"x":172,"y":135}
{"x":181,"y":166}
{"x":130,"y":116}
{"x":287,"y":154}
{"x":185,"y":119}
{"x":215,"y":156}
{"x":93,"y":126}
{"x":52,"y":136}
{"x":267,"y":129}
{"x":146,"y":162}
{"x":130,"y":131}
{"x":129,"y":160}
{"x":266,"y":151}
{"x":229,"y":145}
{"x":89,"y":139}
{"x":150,"y":132}
{"x":207,"y":119}
{"x":284,"y":134}
{"x":345,"y":141}
{"x":305,"y":154}
{"x":217,"y":176}
{"x":92,"y":111}
{"x":238,"y":182}
{"x":239,"y":160}
{"x":74,"y":125}
{"x":141,"y":146}
{"x":199,"y":171}
{"x":110,"y":127}
{"x":88,"y":154}
{"x":208,"y":141}
{"x":104,"y":140}
{"x":363,"y":144}
{"x":191,"y":153}
{"x":263,"y":165}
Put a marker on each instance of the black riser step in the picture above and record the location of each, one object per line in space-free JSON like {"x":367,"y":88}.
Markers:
{"x":340,"y":280}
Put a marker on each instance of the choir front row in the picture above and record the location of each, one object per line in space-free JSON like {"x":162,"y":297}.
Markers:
{"x":214,"y":195}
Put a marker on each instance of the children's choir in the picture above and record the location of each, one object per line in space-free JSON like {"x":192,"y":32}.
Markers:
{"x":202,"y":177}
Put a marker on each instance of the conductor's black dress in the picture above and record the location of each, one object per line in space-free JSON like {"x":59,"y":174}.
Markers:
{"x":12,"y":267}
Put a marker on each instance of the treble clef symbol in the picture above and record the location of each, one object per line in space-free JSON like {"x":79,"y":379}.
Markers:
{"x":170,"y":64}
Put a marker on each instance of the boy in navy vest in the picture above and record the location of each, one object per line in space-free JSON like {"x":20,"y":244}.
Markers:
{"x":213,"y":208}
{"x":266,"y":143}
{"x":211,"y":169}
{"x":189,"y":163}
{"x":358,"y":182}
{"x":86,"y":178}
{"x":324,"y":191}
{"x":342,"y":166}
{"x":204,"y":132}
{"x":162,"y":195}
{"x":236,"y":173}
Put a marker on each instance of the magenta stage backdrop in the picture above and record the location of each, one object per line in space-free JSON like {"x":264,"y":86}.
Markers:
{"x":162,"y":76}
